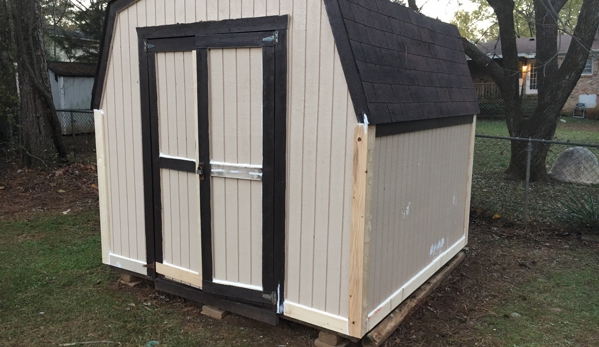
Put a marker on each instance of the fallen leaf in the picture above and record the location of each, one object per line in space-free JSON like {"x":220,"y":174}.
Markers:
{"x":61,"y":191}
{"x":94,"y":186}
{"x":2,"y":187}
{"x":67,"y":211}
{"x":496,"y":216}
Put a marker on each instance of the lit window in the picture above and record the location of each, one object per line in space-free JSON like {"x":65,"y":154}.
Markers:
{"x":588,"y":68}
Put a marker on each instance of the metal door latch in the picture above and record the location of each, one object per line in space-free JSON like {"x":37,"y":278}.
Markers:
{"x":201,"y":171}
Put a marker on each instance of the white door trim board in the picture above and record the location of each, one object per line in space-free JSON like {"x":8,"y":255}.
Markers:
{"x":128,"y":264}
{"x":102,"y":184}
{"x":384,"y":309}
{"x":315,"y":317}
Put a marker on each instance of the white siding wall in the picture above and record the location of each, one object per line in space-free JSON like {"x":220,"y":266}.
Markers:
{"x":419,"y":210}
{"x":76,"y":93}
{"x":319,"y":147}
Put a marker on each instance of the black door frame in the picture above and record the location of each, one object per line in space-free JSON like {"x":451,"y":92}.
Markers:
{"x":270,"y":33}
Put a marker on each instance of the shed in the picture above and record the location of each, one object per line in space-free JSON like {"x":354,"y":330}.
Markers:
{"x":72,"y":84}
{"x":301,"y":159}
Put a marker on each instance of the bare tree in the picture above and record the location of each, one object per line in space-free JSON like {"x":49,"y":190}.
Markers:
{"x":42,"y":139}
{"x":555,"y":83}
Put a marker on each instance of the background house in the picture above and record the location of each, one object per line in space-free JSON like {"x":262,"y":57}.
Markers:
{"x":585,"y":91}
{"x":72,"y":85}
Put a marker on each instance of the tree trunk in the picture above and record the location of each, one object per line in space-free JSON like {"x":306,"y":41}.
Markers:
{"x":8,"y":85}
{"x":42,"y":139}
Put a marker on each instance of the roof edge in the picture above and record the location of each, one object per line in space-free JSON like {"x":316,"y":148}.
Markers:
{"x":113,"y":8}
{"x":348,"y":61}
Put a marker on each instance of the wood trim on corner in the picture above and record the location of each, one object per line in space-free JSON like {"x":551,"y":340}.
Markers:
{"x":102,"y":185}
{"x":113,"y":8}
{"x":421,"y":125}
{"x":469,"y":184}
{"x":361,"y":224}
{"x":348,"y":61}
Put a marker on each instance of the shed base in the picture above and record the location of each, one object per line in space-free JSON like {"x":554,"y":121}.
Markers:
{"x":251,"y":311}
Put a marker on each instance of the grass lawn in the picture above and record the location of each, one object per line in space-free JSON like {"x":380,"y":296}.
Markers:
{"x":568,"y":129}
{"x":54,"y":290}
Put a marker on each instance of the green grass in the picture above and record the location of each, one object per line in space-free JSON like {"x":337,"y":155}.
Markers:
{"x":559,"y":306}
{"x":568,"y":129}
{"x":490,"y":190}
{"x":54,"y":289}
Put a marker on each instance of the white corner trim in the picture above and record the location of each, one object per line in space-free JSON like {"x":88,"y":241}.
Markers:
{"x":384,"y":309}
{"x":317,"y":318}
{"x":101,"y":163}
{"x":128,"y":264}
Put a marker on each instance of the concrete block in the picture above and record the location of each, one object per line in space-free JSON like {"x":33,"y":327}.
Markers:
{"x":214,"y":312}
{"x":130,"y":280}
{"x":326,"y":339}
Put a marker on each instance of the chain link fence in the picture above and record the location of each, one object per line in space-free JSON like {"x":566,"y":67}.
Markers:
{"x":572,"y":167}
{"x":77,"y":127}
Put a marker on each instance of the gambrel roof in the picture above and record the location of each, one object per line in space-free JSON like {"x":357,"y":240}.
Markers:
{"x":400,"y":65}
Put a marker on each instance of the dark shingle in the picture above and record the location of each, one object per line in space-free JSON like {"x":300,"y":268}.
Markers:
{"x":411,"y":67}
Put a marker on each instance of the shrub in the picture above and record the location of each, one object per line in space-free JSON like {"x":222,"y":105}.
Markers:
{"x":580,"y":210}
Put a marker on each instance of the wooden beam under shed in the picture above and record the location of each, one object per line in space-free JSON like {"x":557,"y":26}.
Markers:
{"x":361,"y":225}
{"x":381,"y":332}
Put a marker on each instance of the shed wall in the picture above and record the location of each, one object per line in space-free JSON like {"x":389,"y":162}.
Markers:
{"x":320,"y":127}
{"x":419,"y":211}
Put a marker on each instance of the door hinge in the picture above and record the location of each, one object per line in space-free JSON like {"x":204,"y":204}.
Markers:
{"x":150,"y":266}
{"x":148,"y":45}
{"x":272,"y":297}
{"x":274,"y":38}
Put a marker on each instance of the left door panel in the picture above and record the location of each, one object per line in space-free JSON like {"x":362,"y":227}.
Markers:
{"x":177,"y":122}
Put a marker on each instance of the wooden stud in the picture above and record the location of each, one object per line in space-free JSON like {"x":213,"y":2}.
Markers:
{"x":179,"y":274}
{"x":364,"y":141}
{"x":381,"y":332}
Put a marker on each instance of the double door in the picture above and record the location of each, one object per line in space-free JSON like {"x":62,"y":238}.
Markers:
{"x":213,"y":119}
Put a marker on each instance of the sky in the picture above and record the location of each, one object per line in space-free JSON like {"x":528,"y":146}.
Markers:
{"x":444,"y":10}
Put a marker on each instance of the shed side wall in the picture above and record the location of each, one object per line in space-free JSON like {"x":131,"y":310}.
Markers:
{"x":320,"y":127}
{"x":77,"y":93}
{"x":420,"y":199}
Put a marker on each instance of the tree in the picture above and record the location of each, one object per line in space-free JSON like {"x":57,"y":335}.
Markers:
{"x":41,"y":132}
{"x":80,"y":33}
{"x":554,"y":85}
{"x":481,"y":24}
{"x":9,"y":100}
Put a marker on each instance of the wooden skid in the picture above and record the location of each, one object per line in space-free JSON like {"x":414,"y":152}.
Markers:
{"x":381,"y":332}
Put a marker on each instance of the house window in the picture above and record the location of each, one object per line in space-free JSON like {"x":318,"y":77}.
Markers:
{"x":588,"y":68}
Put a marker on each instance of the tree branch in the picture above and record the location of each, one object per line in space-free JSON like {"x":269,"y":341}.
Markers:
{"x":483,"y":60}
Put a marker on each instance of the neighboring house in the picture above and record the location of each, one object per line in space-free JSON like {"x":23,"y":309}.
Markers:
{"x":72,"y":84}
{"x":585,"y":91}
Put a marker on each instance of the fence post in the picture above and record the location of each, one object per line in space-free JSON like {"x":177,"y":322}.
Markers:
{"x":73,"y":133}
{"x":527,"y":184}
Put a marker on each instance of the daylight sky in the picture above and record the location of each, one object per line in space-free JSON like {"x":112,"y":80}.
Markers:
{"x":444,"y":10}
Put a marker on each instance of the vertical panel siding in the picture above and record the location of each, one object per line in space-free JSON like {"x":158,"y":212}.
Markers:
{"x":419,"y":203}
{"x":177,"y":127}
{"x":320,"y":124}
{"x":235,"y":89}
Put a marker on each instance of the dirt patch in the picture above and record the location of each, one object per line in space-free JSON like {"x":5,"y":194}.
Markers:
{"x":70,"y":188}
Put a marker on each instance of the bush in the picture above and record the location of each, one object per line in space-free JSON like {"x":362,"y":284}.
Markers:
{"x":580,"y":210}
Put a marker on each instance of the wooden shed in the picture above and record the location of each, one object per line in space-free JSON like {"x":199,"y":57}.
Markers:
{"x":276,"y":158}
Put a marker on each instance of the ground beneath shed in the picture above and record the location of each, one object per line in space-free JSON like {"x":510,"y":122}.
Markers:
{"x":466,"y":310}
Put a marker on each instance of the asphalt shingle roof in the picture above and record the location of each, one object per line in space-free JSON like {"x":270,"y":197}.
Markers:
{"x":410,"y":67}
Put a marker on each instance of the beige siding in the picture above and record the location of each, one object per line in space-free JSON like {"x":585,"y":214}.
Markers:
{"x":178,"y":137}
{"x":420,"y":198}
{"x":319,"y":147}
{"x":235,"y":89}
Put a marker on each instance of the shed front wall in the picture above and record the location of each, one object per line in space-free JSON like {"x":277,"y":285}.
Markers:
{"x":419,"y":212}
{"x":320,"y":123}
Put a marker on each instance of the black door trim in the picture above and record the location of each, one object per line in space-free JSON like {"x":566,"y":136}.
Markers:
{"x":269,"y":33}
